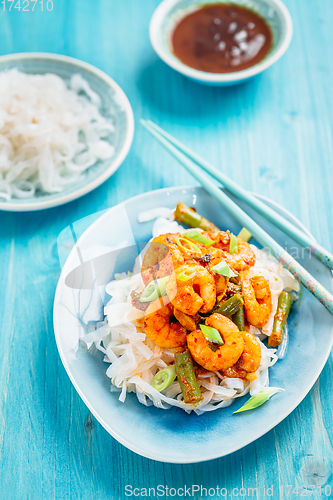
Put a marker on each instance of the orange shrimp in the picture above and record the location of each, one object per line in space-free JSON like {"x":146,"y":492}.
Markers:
{"x":161,"y":258}
{"x":221,"y":282}
{"x":257,"y":300}
{"x":240,"y":261}
{"x":227,"y":354}
{"x":159,"y":329}
{"x":249,"y":361}
{"x":196,"y":294}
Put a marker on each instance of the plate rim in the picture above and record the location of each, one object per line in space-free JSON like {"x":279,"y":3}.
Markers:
{"x":113,"y":433}
{"x":109,"y":171}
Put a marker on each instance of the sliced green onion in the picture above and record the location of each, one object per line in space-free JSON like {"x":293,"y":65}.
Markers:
{"x":223,"y":269}
{"x":185,"y":277}
{"x":154,"y":290}
{"x":211,"y":334}
{"x":197,"y":236}
{"x":192,"y":245}
{"x":164,"y":378}
{"x":245,"y":235}
{"x":233,"y":246}
{"x":259,"y":399}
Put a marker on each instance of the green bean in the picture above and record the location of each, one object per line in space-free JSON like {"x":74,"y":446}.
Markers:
{"x":230,"y":306}
{"x":280,"y":319}
{"x":191,"y":218}
{"x":238,"y":319}
{"x":186,"y":377}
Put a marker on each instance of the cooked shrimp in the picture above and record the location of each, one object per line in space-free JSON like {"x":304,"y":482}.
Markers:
{"x":251,"y":356}
{"x":161,"y":258}
{"x":240,"y":261}
{"x":189,"y":322}
{"x":257,"y":300}
{"x":221,"y":282}
{"x":227,"y":354}
{"x":221,"y":238}
{"x":197,"y":293}
{"x":159,"y":329}
{"x":236,"y":262}
{"x":249,"y":361}
{"x":210,"y":258}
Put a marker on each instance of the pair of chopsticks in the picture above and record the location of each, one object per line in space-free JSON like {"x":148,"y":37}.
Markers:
{"x":195,"y":165}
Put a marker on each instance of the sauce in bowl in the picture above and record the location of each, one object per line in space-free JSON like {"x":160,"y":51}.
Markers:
{"x":222,"y":38}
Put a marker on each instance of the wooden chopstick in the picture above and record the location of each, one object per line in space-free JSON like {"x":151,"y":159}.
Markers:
{"x":301,"y":274}
{"x":278,"y":220}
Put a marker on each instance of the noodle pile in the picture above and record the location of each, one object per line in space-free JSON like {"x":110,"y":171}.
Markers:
{"x":50,"y":133}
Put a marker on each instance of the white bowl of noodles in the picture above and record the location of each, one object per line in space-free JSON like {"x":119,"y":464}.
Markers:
{"x":65,"y":128}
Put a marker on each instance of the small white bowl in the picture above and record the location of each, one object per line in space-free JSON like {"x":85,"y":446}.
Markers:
{"x":169,"y":12}
{"x":112,"y":98}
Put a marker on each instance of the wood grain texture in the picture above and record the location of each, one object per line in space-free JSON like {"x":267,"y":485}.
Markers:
{"x":273,"y":135}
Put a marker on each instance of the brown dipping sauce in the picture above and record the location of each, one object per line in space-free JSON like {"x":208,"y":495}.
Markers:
{"x":222,"y":38}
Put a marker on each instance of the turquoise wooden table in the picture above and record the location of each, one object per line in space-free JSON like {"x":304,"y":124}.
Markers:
{"x":274,"y":136}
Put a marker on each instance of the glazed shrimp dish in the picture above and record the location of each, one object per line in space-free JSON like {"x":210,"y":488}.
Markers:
{"x":200,"y":319}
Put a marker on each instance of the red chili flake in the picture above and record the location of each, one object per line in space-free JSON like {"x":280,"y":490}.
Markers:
{"x":219,"y":355}
{"x":195,"y":339}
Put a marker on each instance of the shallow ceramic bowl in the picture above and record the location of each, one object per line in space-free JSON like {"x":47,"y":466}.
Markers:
{"x":169,"y":12}
{"x":114,"y":101}
{"x":172,"y":435}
